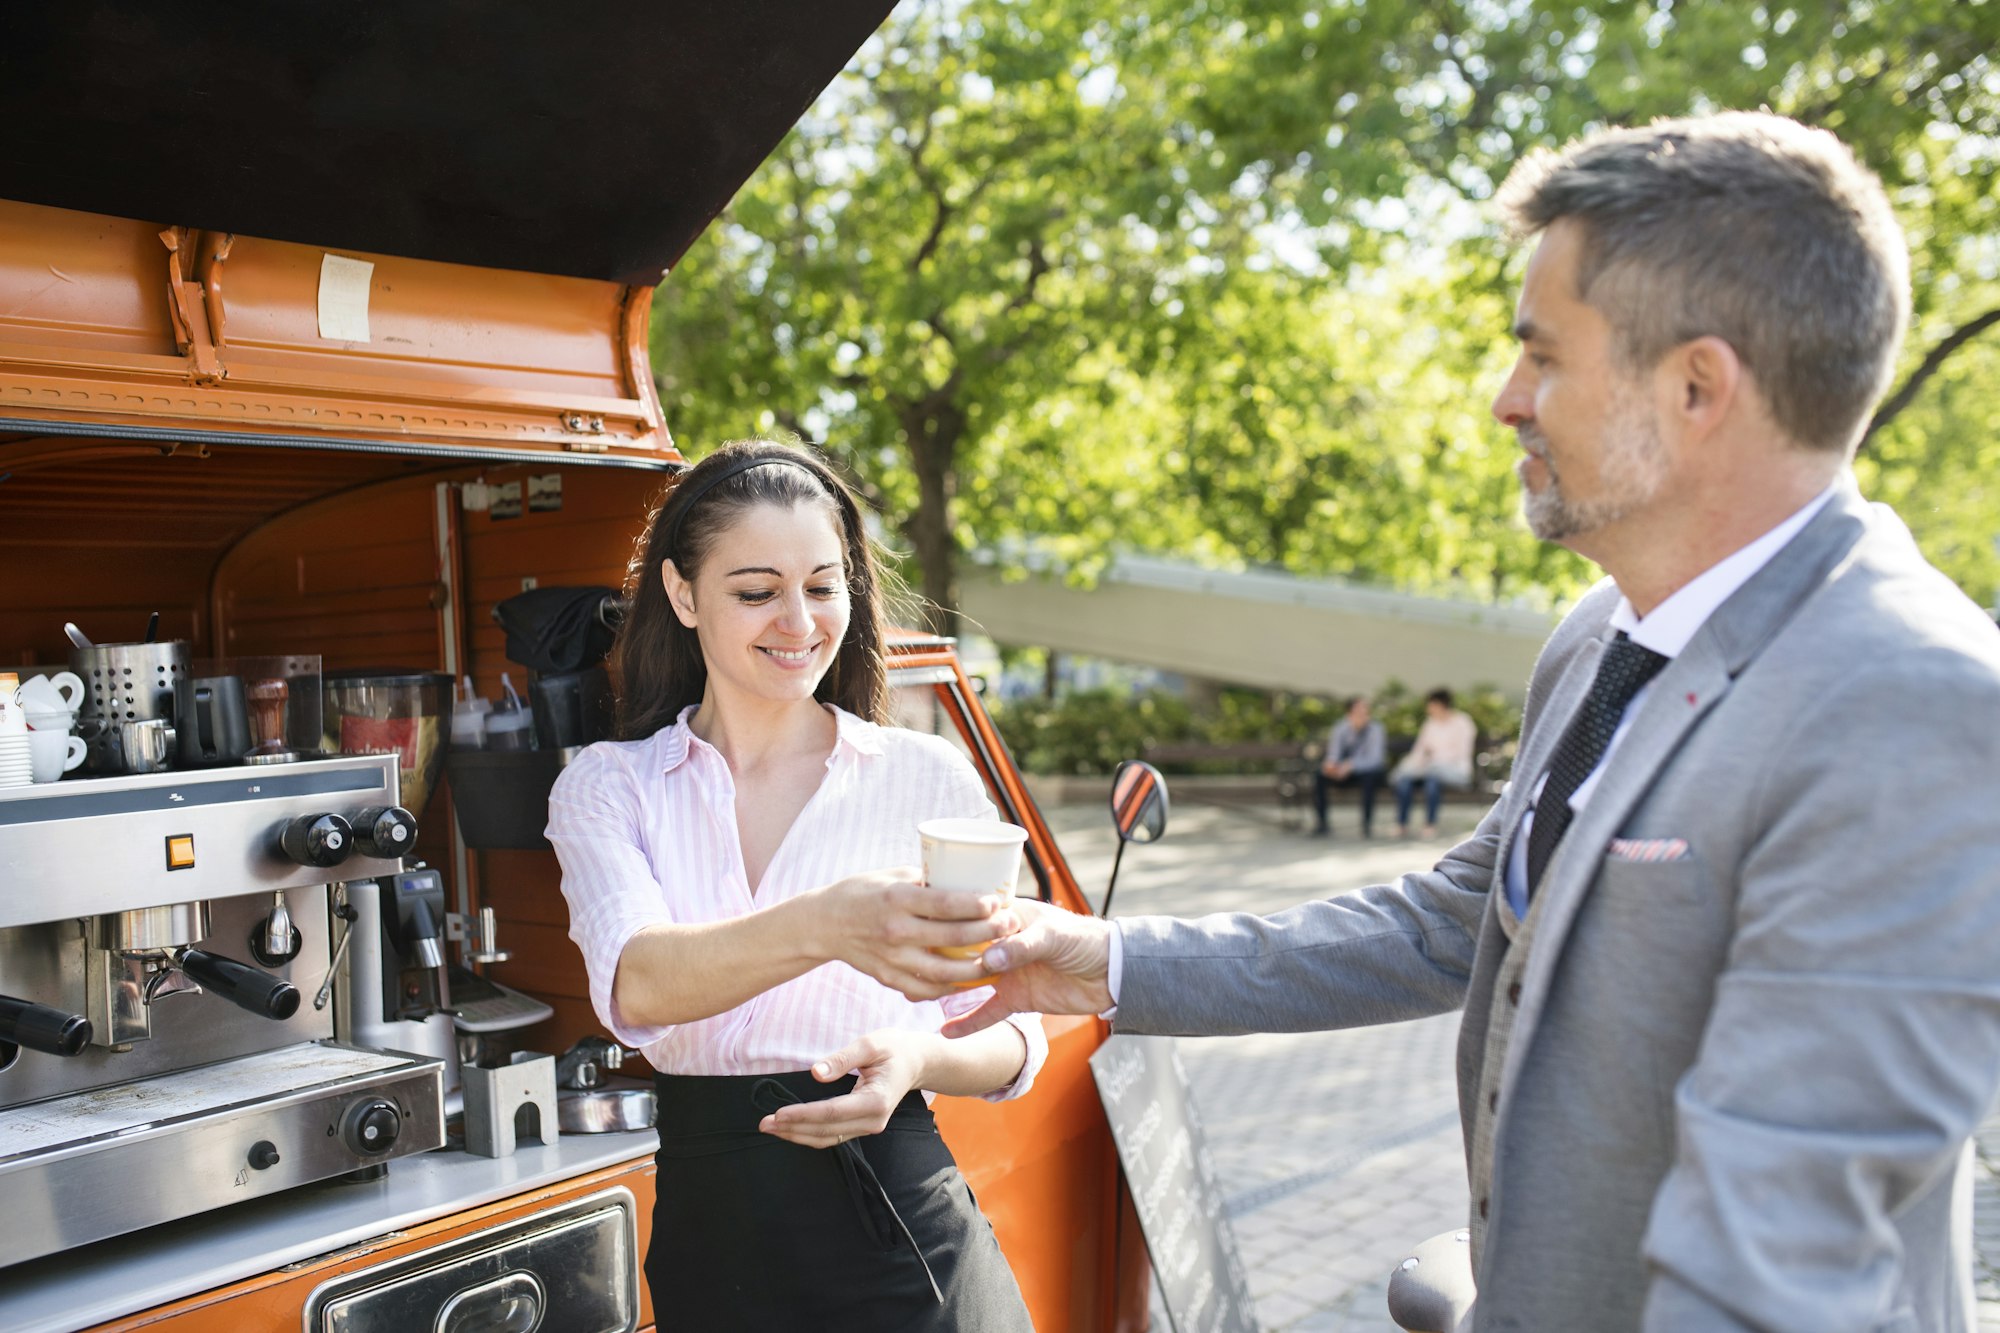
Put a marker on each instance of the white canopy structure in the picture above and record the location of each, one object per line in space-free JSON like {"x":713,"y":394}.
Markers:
{"x":1275,"y":631}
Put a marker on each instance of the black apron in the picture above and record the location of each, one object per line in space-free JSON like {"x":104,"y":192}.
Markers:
{"x":877,"y":1235}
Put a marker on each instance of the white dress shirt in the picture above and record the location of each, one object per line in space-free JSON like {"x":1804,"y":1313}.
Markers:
{"x":1667,"y":630}
{"x":646,"y":833}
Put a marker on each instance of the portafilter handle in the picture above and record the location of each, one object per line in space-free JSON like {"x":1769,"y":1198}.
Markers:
{"x":42,"y":1028}
{"x":244,"y":986}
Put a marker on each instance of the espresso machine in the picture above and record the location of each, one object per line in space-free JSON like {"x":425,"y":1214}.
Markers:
{"x":167,"y":947}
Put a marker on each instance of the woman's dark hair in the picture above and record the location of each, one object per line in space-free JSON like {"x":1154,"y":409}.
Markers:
{"x":1439,"y":696}
{"x":658,"y":660}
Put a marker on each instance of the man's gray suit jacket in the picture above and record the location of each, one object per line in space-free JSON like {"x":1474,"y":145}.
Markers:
{"x":1722,"y":1086}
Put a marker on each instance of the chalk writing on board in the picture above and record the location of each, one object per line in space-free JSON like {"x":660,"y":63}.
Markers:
{"x":1172,"y":1177}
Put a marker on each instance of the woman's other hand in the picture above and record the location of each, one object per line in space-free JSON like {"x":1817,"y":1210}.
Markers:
{"x":886,"y":923}
{"x":885,"y":1065}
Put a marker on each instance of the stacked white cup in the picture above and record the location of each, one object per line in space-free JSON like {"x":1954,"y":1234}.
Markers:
{"x":50,"y":704}
{"x":16,"y":770}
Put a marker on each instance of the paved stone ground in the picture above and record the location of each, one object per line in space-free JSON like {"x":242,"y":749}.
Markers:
{"x":1338,"y":1151}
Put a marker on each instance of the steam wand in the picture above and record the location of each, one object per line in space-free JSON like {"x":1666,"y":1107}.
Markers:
{"x":346,"y":912}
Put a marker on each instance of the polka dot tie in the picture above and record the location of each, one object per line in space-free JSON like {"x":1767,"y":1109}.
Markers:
{"x":1623,"y":672}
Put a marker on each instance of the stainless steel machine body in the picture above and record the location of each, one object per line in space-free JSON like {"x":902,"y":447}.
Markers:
{"x":156,"y":1058}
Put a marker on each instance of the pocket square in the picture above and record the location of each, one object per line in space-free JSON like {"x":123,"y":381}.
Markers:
{"x":1647,"y":849}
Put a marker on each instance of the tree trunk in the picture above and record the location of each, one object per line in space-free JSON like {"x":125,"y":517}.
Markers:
{"x":932,"y":431}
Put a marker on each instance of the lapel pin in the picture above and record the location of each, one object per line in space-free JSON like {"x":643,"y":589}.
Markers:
{"x":1692,"y":701}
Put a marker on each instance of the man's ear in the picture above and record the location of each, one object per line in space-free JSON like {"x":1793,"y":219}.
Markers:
{"x":1706,"y":378}
{"x":680,"y":592}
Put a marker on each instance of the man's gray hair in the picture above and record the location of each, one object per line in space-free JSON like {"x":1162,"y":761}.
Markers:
{"x":1745,"y":226}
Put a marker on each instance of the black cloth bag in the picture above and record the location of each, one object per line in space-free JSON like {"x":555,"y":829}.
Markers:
{"x":560,"y":629}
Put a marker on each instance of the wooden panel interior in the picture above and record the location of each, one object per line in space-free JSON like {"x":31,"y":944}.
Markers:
{"x":104,"y":532}
{"x":354,"y":579}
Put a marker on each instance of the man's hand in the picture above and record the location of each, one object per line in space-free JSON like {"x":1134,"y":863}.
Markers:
{"x":1057,"y":964}
{"x":886,"y":922}
{"x":885,"y":1065}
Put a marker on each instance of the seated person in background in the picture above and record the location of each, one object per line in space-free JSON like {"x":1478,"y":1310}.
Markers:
{"x":1442,"y":754}
{"x":1356,"y":752}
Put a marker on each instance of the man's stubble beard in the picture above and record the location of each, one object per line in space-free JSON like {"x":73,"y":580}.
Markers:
{"x":1632,"y":468}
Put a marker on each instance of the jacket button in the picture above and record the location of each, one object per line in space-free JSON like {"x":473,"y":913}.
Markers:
{"x":1482,"y":1210}
{"x":1514,"y":994}
{"x":1493,"y":1100}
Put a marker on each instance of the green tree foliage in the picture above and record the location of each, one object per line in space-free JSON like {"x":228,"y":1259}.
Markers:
{"x":1214,"y":277}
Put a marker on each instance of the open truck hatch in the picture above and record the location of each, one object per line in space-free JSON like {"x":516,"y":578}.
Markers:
{"x":590,"y":141}
{"x":429,"y":225}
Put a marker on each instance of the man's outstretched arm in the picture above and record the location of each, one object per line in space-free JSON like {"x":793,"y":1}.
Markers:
{"x":1389,"y":952}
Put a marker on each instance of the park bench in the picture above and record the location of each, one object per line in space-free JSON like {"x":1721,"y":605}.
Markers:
{"x":1293,"y":763}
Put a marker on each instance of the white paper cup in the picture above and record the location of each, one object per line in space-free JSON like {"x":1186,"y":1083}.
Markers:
{"x":974,"y":856}
{"x":54,"y":753}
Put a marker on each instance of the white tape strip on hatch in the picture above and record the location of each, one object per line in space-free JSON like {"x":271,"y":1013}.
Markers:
{"x":343,"y":298}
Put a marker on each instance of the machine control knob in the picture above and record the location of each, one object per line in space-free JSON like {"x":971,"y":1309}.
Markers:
{"x":264,"y":1155}
{"x":317,"y":840}
{"x":371,"y":1126}
{"x":385,"y":832}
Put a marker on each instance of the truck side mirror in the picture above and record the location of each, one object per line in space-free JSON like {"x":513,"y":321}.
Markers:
{"x":1138,"y":802}
{"x":1138,"y":812}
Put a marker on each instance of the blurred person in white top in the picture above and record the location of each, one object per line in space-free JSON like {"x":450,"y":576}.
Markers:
{"x":1441,"y":757}
{"x":737,"y":872}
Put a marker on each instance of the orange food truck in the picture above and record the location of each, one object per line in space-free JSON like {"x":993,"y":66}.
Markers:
{"x":323,"y":332}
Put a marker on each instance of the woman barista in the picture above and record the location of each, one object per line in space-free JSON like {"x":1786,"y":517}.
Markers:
{"x":717,"y":862}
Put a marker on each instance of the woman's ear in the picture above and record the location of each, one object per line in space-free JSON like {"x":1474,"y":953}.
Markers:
{"x":680,"y":592}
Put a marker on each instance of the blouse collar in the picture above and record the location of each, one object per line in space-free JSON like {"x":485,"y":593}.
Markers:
{"x":849,"y":732}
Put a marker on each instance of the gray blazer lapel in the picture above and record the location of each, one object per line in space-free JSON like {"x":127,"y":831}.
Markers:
{"x":1682,"y":695}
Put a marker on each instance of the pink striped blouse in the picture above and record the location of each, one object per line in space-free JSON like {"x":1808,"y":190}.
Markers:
{"x":646,"y":833}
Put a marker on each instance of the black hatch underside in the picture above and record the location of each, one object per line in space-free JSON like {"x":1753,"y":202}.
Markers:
{"x":591,"y":140}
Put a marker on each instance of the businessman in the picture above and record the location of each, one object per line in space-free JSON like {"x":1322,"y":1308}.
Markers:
{"x":1728,"y":947}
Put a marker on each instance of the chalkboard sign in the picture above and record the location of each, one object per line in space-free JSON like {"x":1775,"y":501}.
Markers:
{"x":1145,"y":1094}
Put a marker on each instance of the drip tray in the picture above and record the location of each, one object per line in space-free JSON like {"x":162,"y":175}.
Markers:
{"x":78,"y":1168}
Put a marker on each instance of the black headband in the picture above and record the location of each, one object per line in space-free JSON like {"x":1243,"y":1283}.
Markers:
{"x":709,"y":483}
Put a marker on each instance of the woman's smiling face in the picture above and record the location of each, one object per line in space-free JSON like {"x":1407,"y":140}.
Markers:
{"x":769,"y":602}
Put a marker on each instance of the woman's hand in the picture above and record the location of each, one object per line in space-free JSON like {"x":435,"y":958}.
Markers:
{"x":886,"y":923}
{"x":885,"y":1065}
